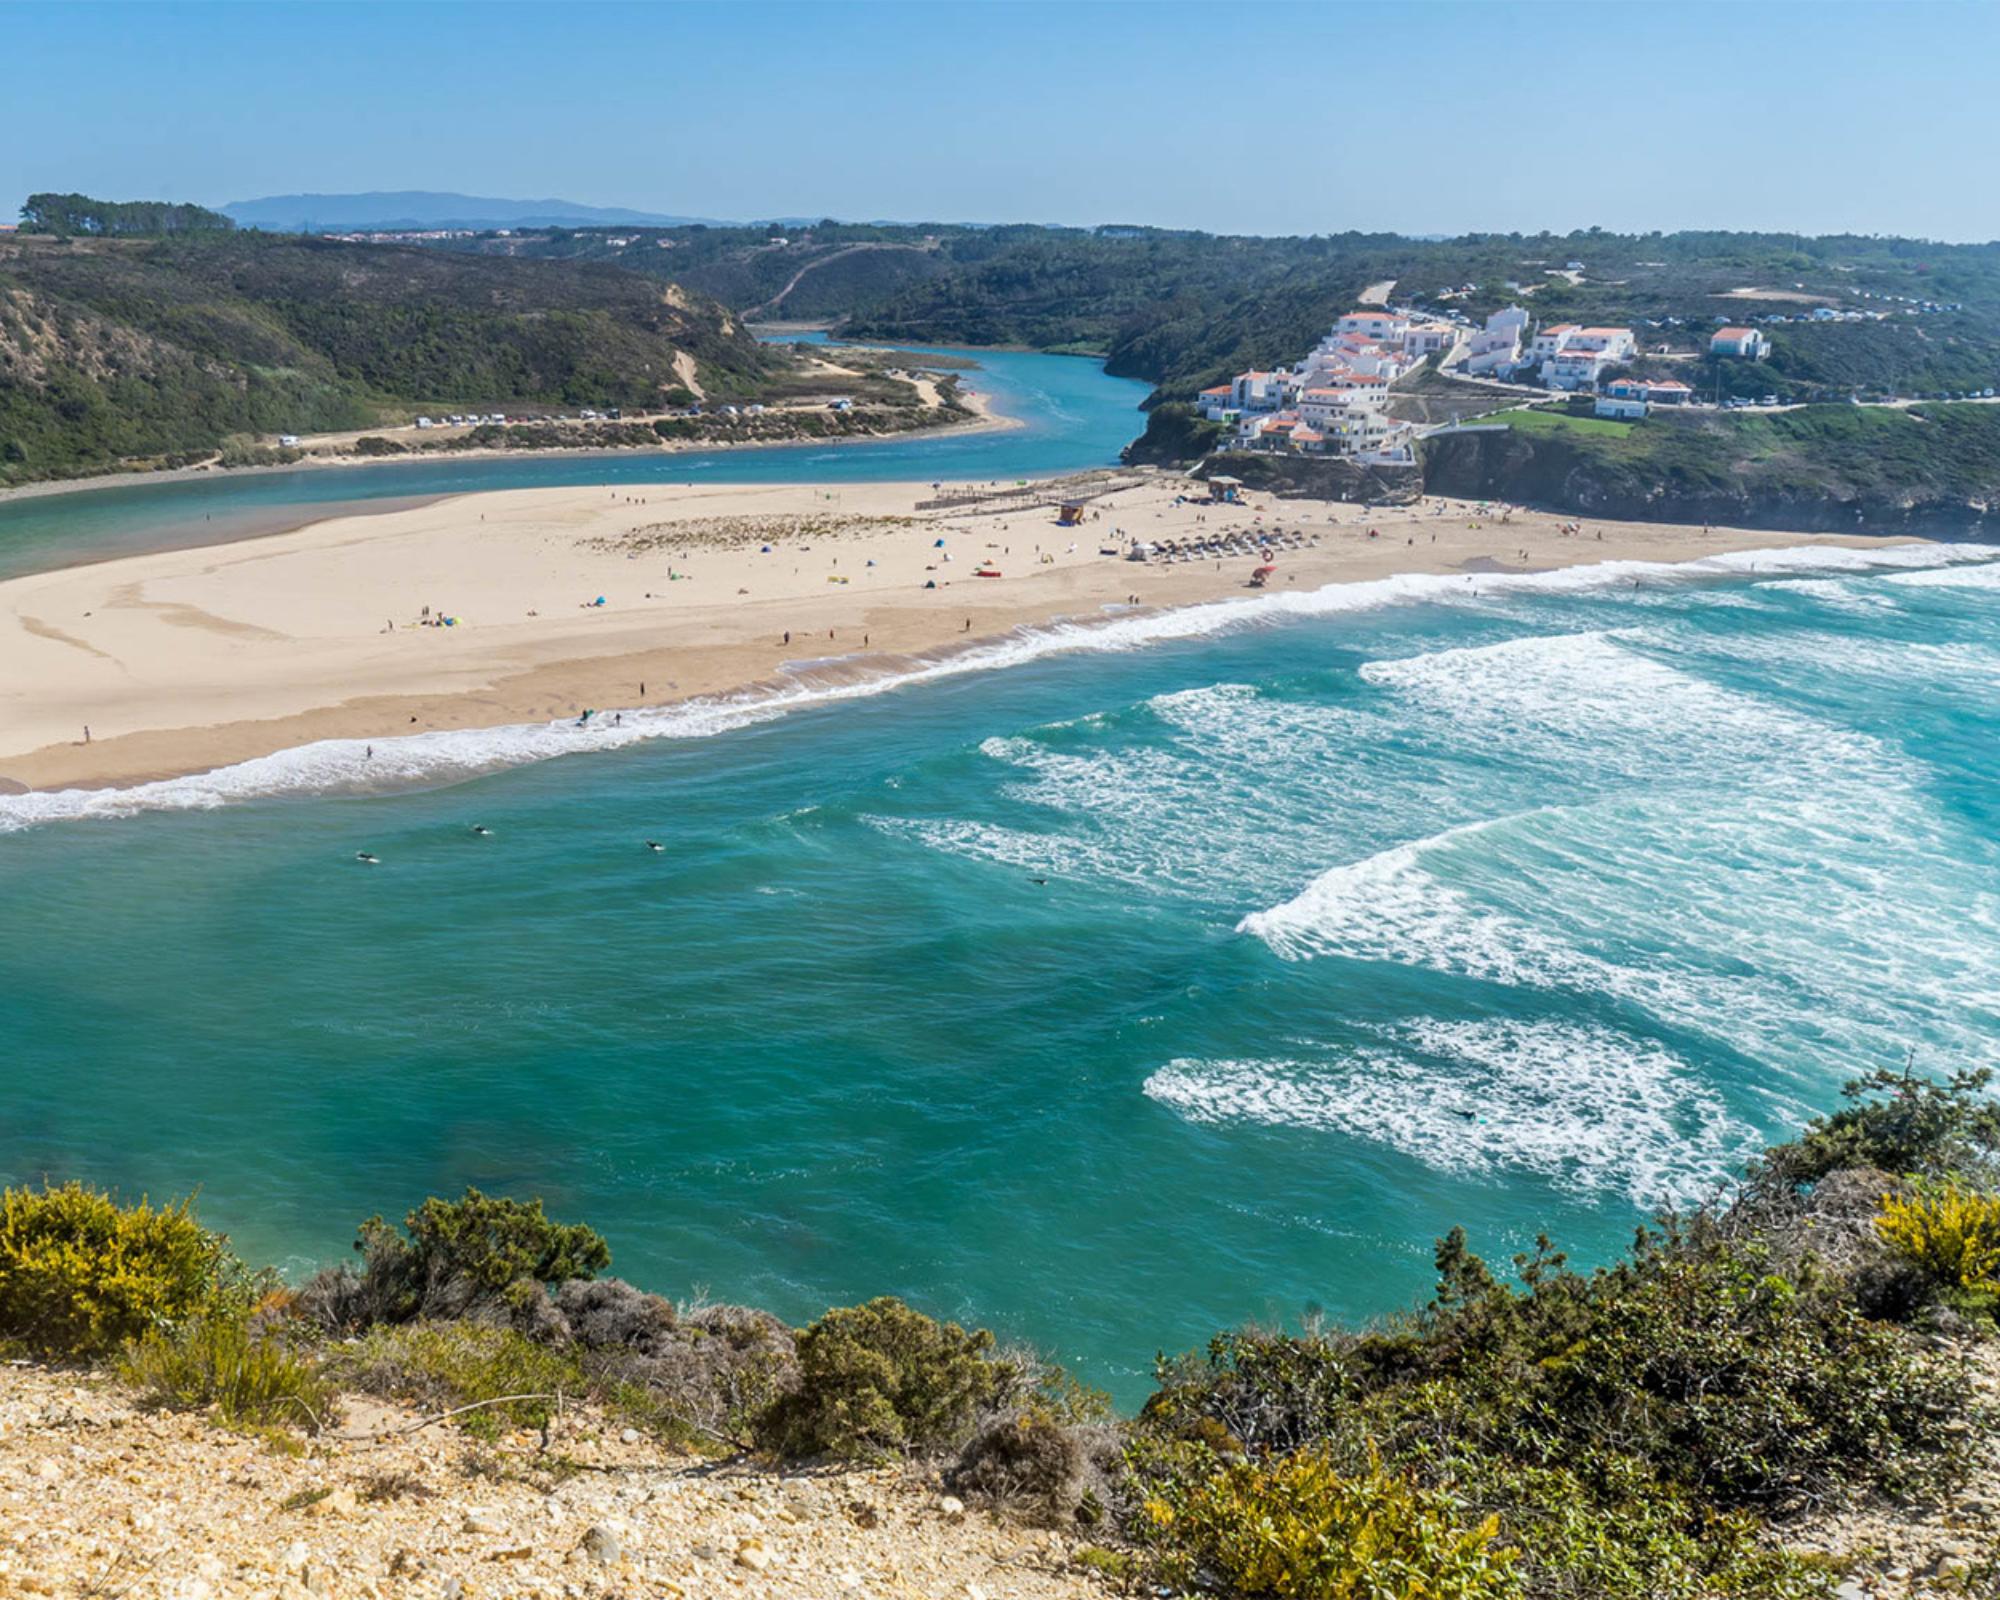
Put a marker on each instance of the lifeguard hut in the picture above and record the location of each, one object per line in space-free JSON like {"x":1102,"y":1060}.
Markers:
{"x":1070,"y":515}
{"x":1225,"y":491}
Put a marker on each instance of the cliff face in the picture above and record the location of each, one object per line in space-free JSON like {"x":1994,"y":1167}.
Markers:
{"x":1556,"y":473}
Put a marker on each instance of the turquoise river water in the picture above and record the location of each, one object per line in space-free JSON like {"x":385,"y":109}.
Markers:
{"x":1109,"y":986}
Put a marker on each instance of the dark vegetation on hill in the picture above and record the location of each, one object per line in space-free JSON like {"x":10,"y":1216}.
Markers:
{"x":1638,"y":1430}
{"x":1184,"y":309}
{"x":163,"y":348}
{"x":823,"y":273}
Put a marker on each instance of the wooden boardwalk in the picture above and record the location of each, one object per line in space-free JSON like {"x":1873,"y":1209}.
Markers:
{"x":1025,"y":497}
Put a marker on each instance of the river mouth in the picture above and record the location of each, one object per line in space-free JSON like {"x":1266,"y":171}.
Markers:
{"x":1069,"y":416}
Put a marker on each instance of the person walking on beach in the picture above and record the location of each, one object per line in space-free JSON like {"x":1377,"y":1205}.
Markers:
{"x":86,"y":733}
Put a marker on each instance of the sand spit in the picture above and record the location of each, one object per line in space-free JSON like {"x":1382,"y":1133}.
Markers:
{"x":533,"y":606}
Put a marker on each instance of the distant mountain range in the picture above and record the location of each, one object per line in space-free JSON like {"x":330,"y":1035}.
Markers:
{"x":416,"y":208}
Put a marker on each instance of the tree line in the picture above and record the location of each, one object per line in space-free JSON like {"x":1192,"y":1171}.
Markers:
{"x":66,"y":215}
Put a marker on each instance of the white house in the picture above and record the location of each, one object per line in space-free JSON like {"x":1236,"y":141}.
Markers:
{"x":1573,"y":357}
{"x":1628,"y":410}
{"x":1551,"y":340}
{"x":1654,"y":391}
{"x":1747,"y":343}
{"x":1614,"y":344}
{"x":1272,"y":431}
{"x":1216,"y":403}
{"x":1384,"y":327}
{"x":1423,"y":339}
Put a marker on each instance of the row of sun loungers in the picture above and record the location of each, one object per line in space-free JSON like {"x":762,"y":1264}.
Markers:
{"x":1217,"y":546}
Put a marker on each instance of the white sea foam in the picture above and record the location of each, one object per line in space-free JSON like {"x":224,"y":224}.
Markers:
{"x":1733,"y":867}
{"x":1588,"y":1107}
{"x":339,"y":766}
{"x":1961,"y":577}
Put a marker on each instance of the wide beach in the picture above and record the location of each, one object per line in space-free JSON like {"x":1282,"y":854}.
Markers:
{"x":566,"y":600}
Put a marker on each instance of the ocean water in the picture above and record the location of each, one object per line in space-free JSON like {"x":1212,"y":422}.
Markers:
{"x":1070,"y":415}
{"x":1109,"y":986}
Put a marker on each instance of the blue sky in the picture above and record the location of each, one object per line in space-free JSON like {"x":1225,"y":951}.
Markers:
{"x":1260,"y":118}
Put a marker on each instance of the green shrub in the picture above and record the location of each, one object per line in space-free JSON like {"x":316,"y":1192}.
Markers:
{"x":250,"y":1378}
{"x":879,"y":1378}
{"x":1623,"y":1535}
{"x":1901,"y":1122}
{"x":1300,"y":1527}
{"x":459,"y":1254}
{"x":1627,"y":1426}
{"x":81,"y":1274}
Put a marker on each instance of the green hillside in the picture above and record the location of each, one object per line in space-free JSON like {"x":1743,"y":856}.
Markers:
{"x":121,"y":350}
{"x":1848,"y":469}
{"x":1183,"y":309}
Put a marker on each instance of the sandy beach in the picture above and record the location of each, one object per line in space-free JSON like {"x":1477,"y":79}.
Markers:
{"x":188,"y":660}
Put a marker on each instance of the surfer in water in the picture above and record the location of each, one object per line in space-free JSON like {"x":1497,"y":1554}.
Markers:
{"x":363,"y":855}
{"x":482,"y":830}
{"x":654,"y":844}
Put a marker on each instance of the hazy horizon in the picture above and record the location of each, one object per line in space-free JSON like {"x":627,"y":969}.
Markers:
{"x":1514,"y":116}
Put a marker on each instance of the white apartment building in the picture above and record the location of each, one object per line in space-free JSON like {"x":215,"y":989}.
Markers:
{"x":1261,"y":391}
{"x":1498,"y":345}
{"x":1573,"y":357}
{"x":1573,"y":369}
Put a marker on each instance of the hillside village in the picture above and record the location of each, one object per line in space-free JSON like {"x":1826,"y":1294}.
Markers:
{"x":1335,"y":401}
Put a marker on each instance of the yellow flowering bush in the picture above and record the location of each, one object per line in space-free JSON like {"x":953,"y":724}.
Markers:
{"x":81,"y":1274}
{"x":1952,"y":1233}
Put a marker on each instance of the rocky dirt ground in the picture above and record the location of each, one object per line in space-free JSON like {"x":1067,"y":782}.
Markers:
{"x":1948,"y":1548}
{"x":98,"y":1498}
{"x":101,"y":1499}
